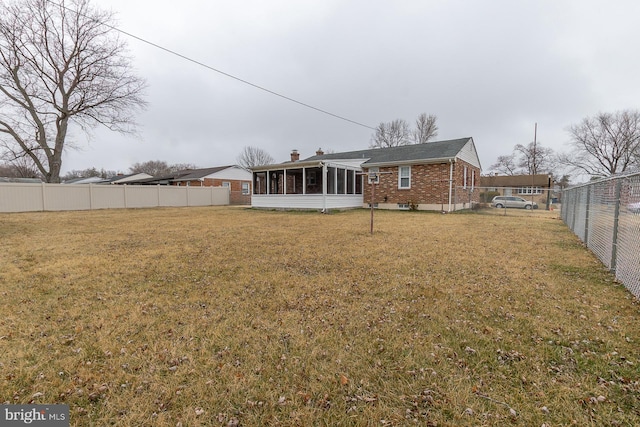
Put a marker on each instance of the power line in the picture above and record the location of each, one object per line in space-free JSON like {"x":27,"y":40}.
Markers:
{"x":194,"y":61}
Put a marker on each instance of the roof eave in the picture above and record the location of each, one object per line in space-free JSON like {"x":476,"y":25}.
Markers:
{"x":410,"y":162}
{"x":288,"y":165}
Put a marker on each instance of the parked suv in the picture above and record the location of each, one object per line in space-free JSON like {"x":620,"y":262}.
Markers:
{"x":513,"y":202}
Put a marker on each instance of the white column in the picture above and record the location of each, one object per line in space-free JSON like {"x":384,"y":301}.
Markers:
{"x":304,"y":181}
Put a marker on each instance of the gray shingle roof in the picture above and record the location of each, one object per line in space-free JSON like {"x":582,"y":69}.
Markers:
{"x":431,"y":150}
{"x":183,"y":175}
{"x":190,"y":174}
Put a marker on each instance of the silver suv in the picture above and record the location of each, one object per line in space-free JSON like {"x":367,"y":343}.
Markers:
{"x":513,"y":202}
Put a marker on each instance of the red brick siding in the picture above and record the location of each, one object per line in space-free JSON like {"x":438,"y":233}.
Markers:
{"x":429,"y":184}
{"x":235,"y":198}
{"x":463,"y":195}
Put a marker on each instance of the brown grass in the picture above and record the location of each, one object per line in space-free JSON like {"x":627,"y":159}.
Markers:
{"x":223,"y":316}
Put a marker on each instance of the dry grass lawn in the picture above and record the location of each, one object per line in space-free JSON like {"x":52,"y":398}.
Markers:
{"x":227,"y":316}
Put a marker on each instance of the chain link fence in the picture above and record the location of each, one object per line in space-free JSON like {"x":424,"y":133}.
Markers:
{"x":518,"y":198}
{"x":605,"y":215}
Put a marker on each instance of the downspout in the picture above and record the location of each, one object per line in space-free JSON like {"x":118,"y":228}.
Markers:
{"x":451,"y":161}
{"x":324,"y":187}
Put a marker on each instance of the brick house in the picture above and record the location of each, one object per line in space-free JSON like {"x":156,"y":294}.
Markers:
{"x":419,"y":176}
{"x":237,"y":179}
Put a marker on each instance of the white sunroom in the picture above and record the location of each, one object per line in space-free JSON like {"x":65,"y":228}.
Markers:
{"x":318,"y":185}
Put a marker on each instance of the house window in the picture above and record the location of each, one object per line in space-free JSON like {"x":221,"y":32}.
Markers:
{"x":226,"y":184}
{"x":529,"y":190}
{"x":404,"y":177}
{"x":341,"y":183}
{"x":311,"y":177}
{"x":403,"y":206}
{"x":464,"y":179}
{"x":245,"y":188}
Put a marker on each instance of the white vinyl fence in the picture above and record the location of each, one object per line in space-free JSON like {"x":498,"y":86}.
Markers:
{"x":21,"y":197}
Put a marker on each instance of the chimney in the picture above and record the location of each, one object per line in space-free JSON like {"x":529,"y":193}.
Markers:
{"x":319,"y":152}
{"x":295,"y":156}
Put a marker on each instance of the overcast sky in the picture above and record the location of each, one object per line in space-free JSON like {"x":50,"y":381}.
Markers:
{"x":487,"y":69}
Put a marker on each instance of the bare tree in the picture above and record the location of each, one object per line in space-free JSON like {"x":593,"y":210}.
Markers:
{"x":426,"y":128}
{"x":87,"y":173}
{"x":391,"y":134}
{"x":533,"y":158}
{"x":20,"y":168}
{"x":254,"y":156}
{"x":60,"y":65}
{"x":398,"y":132}
{"x":530,"y":159}
{"x":506,"y":165}
{"x":159,"y":167}
{"x":605,"y":144}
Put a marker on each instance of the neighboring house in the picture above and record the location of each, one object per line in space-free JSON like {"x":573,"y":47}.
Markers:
{"x":125,"y":179}
{"x":517,"y":185}
{"x":85,"y":180}
{"x":236,"y":178}
{"x":21,"y":180}
{"x":419,"y":176}
{"x":527,"y":186}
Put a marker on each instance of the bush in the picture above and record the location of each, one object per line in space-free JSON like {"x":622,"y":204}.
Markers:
{"x":487,"y":196}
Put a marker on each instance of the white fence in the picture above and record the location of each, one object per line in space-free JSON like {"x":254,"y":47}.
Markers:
{"x":20,"y":197}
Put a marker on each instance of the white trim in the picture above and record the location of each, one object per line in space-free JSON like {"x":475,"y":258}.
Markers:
{"x":410,"y":162}
{"x":307,"y":201}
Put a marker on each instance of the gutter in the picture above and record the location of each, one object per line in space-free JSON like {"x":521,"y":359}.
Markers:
{"x":409,"y":162}
{"x":324,"y":187}
{"x":287,"y":165}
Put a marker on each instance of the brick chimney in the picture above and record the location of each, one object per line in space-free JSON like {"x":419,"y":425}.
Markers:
{"x":295,"y":156}
{"x":319,"y":152}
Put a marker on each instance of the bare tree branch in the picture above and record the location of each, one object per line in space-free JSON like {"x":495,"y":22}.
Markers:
{"x":505,"y":165}
{"x":254,"y":156}
{"x":534,"y":158}
{"x":426,"y":128}
{"x":398,"y":132}
{"x":159,"y":167}
{"x":606,"y":144}
{"x":59,"y":64}
{"x":391,"y":134}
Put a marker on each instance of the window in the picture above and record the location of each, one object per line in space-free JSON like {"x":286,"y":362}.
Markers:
{"x":404,"y":177}
{"x":529,"y":190}
{"x":341,"y":175}
{"x":464,"y":179}
{"x":331,"y":180}
{"x":245,"y":188}
{"x":311,"y":177}
{"x":226,"y":184}
{"x":403,"y":206}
